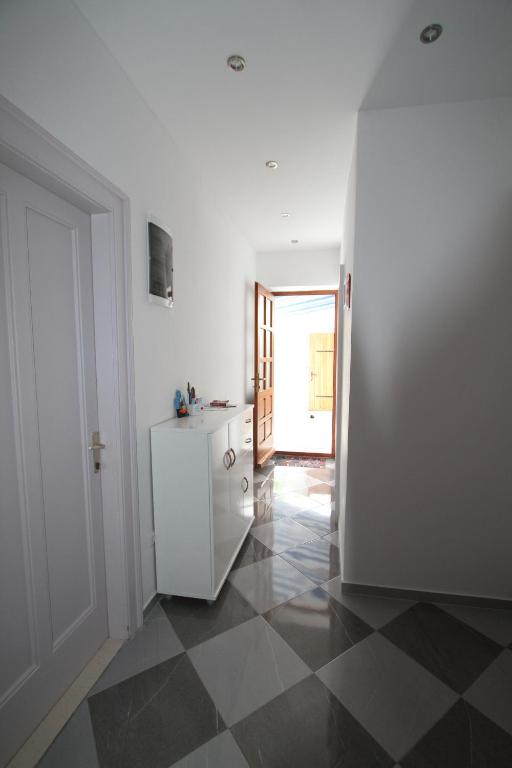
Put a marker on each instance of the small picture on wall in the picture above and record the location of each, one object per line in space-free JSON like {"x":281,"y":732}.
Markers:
{"x":160,"y":258}
{"x":347,"y":293}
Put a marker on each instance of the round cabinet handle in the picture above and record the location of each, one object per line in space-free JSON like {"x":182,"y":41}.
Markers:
{"x":234,"y":457}
{"x":245,"y":480}
{"x":227,"y":460}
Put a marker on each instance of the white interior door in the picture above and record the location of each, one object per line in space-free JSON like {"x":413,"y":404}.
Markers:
{"x":52,"y":570}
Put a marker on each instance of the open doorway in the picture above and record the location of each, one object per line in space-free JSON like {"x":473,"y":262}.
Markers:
{"x":305,"y":372}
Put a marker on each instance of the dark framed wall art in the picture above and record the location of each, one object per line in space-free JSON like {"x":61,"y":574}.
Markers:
{"x":160,"y":263}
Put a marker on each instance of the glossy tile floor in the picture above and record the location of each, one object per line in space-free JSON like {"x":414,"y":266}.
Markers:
{"x":285,"y":670}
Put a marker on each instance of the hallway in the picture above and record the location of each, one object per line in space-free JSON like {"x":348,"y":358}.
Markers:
{"x":285,"y":670}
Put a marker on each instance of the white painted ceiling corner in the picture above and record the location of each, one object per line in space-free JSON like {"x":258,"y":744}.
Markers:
{"x":310,"y":65}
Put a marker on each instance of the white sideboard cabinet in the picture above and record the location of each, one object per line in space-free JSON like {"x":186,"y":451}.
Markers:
{"x":202,"y":470}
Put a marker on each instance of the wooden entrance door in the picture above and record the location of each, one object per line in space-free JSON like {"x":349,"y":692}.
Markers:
{"x":263,"y":374}
{"x":321,"y":361}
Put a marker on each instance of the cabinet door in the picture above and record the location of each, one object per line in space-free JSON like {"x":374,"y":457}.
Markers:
{"x":240,"y":477}
{"x":247,"y":464}
{"x":222,"y":529}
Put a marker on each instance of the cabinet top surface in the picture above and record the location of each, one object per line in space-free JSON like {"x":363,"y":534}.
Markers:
{"x":207,"y":422}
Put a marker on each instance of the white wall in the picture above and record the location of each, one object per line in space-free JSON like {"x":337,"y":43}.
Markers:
{"x":55,"y":69}
{"x":430,"y":434}
{"x":345,"y":350}
{"x":298,"y":269}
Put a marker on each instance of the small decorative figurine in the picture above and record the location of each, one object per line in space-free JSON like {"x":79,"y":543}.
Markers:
{"x":180,"y":405}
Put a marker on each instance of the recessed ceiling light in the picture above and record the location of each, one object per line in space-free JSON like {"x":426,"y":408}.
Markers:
{"x":285,"y":214}
{"x":431,"y":33}
{"x":294,"y":242}
{"x":272,"y":164}
{"x":236,"y":62}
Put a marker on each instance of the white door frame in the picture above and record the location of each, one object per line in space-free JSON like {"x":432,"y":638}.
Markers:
{"x":31,"y":151}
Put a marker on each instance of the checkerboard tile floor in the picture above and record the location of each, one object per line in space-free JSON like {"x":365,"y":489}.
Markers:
{"x":286,"y":670}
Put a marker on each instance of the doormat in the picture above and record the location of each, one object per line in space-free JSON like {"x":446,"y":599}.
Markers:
{"x":282,"y":460}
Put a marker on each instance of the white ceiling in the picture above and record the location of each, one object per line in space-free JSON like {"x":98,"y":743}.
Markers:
{"x":311,"y":64}
{"x":471,"y":60}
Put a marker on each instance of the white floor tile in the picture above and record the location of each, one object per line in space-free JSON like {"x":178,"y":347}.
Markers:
{"x":282,"y":534}
{"x":246,"y":667}
{"x":269,"y":582}
{"x":220,"y":752}
{"x":392,"y":696}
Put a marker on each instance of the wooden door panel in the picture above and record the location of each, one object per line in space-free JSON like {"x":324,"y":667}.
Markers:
{"x":263,"y":374}
{"x":321,"y":361}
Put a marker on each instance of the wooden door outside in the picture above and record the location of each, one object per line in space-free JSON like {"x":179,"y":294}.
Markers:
{"x":263,"y":375}
{"x":321,"y":361}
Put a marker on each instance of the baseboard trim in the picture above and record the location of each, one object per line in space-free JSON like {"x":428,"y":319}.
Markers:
{"x":349,"y":588}
{"x":150,"y":604}
{"x":37,"y":744}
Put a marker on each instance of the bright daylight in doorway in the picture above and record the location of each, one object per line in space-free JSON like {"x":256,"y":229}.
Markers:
{"x":304,"y":373}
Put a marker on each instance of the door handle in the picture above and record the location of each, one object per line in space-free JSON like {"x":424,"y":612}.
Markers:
{"x":248,"y":439}
{"x":245,"y":480}
{"x":227,"y":460}
{"x":95,"y":447}
{"x":234,"y":457}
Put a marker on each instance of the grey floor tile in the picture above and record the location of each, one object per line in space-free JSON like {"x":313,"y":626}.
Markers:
{"x":307,"y":727}
{"x":282,"y":535}
{"x":318,"y":560}
{"x":220,"y":752}
{"x":496,"y":624}
{"x":154,"y":718}
{"x":392,"y":696}
{"x":153,"y":643}
{"x":320,"y":520}
{"x":252,"y":551}
{"x":453,"y":651}
{"x":196,"y":620}
{"x":75,"y":745}
{"x":492,"y":692}
{"x":376,"y":611}
{"x":463,"y":738}
{"x":317,"y":627}
{"x":269,"y":582}
{"x":246,"y":667}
